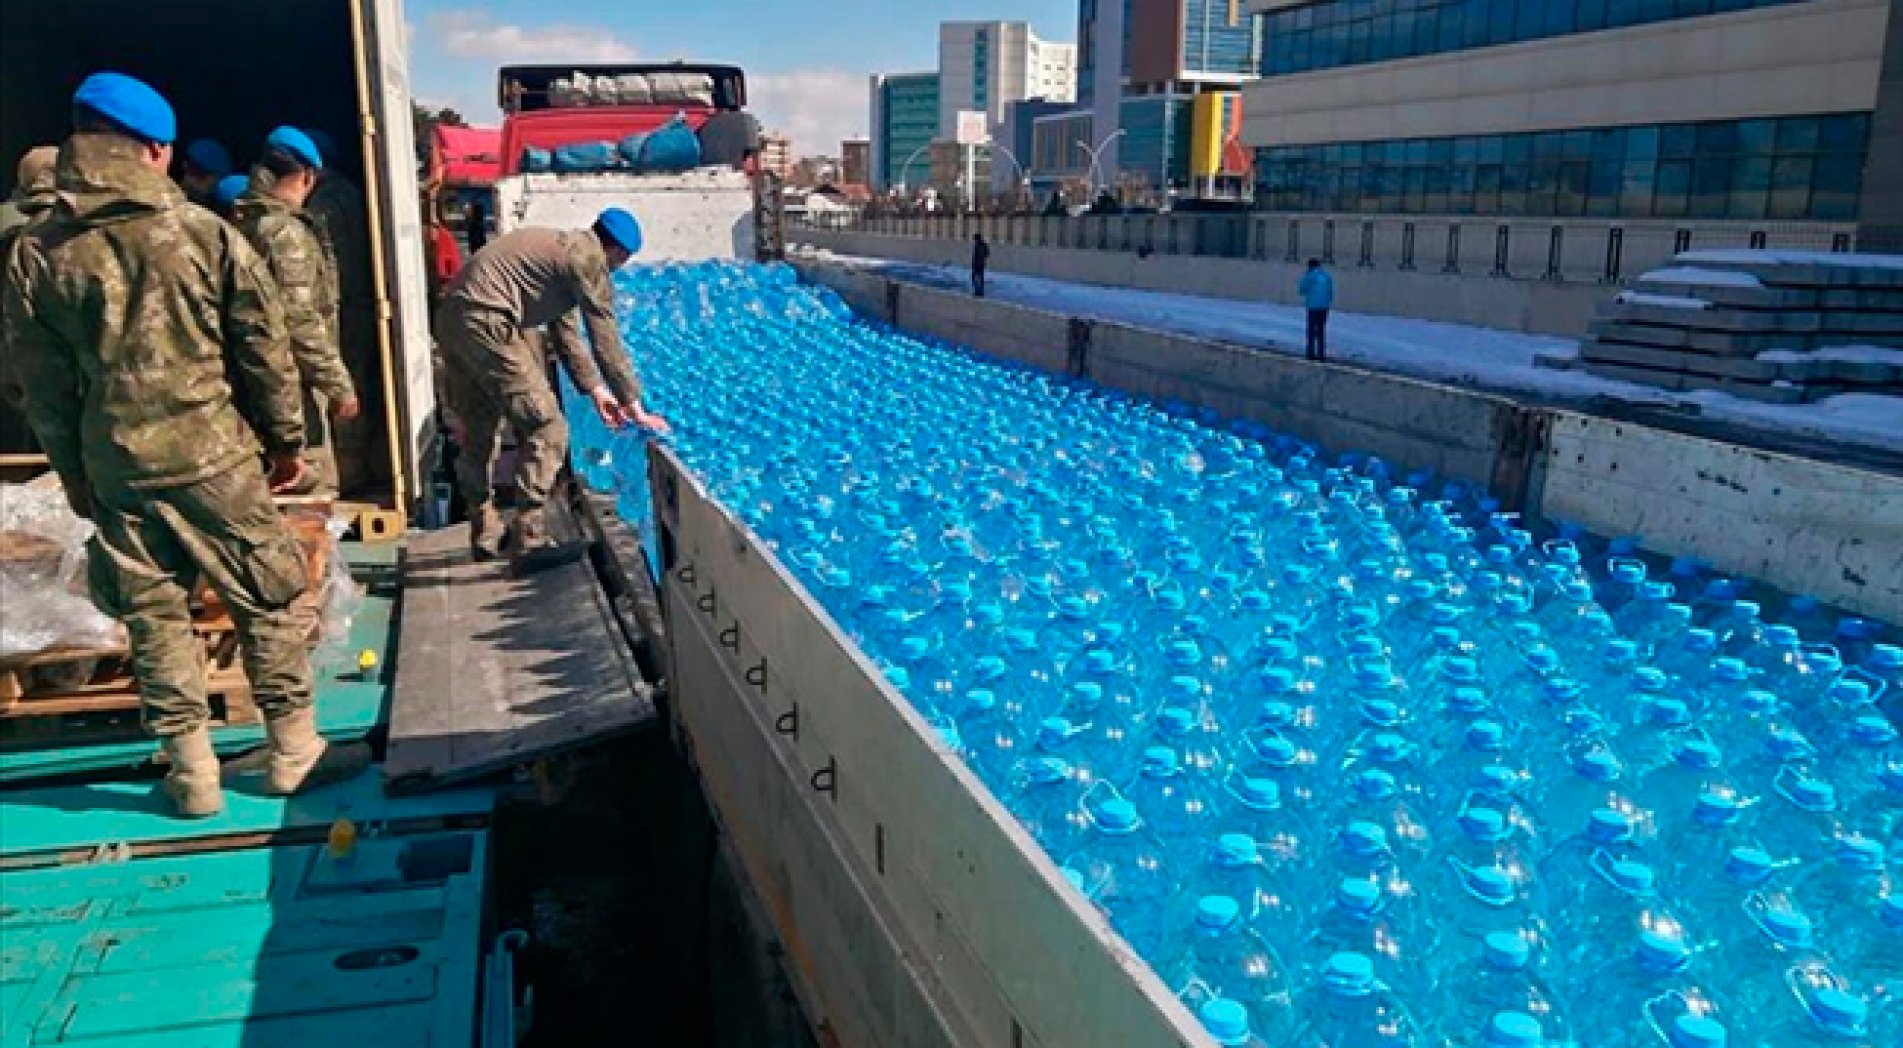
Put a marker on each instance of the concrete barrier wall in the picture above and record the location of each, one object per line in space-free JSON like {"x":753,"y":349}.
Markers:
{"x":1800,"y":524}
{"x":1542,"y":307}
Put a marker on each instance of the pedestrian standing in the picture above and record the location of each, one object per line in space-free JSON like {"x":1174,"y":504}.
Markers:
{"x":1318,"y":295}
{"x":980,"y":258}
{"x":124,"y":308}
{"x":495,"y":370}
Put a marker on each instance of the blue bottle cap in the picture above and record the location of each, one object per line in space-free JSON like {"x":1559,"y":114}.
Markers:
{"x":1444,"y":638}
{"x":1891,"y":912}
{"x":989,"y":668}
{"x":1700,"y":641}
{"x":1226,"y":1021}
{"x":1560,"y":689}
{"x":1183,"y":653}
{"x":1260,"y":794}
{"x":1697,"y":1031}
{"x":1462,"y":669}
{"x":1860,"y":854}
{"x":1020,"y":641}
{"x":1730,"y":669}
{"x":1668,"y":713}
{"x":1277,"y":752}
{"x":1701,"y":754}
{"x":1420,"y":590}
{"x":1628,"y":573}
{"x":1545,"y":661}
{"x":1358,"y":896}
{"x":1748,"y":866}
{"x":1362,"y":617}
{"x":1515,"y":1030}
{"x":1814,"y":795}
{"x":1885,"y":657}
{"x":1840,"y":1012}
{"x":915,"y":647}
{"x":1485,"y":736}
{"x":1782,"y":636}
{"x":956,"y":591}
{"x":1099,"y":661}
{"x":1109,"y":633}
{"x":1382,"y":713}
{"x":875,"y":596}
{"x":1365,"y":646}
{"x":1788,"y":927}
{"x":1280,"y":649}
{"x":1715,"y":809}
{"x":837,"y":578}
{"x":1388,"y":748}
{"x":1376,"y":673}
{"x":1633,"y":878}
{"x":1349,"y":975}
{"x":1662,"y":951}
{"x":1073,"y":608}
{"x":1785,"y":744}
{"x":981,"y":700}
{"x":1598,"y":765}
{"x":1183,"y":689}
{"x":1117,"y":815}
{"x":1236,"y":849}
{"x":898,"y":678}
{"x":1364,"y":839}
{"x":1254,"y":600}
{"x":1621,"y":651}
{"x":1277,"y":714}
{"x":1496,"y":778}
{"x":1499,"y":555}
{"x":1892,"y":776}
{"x":1048,"y":771}
{"x":1873,"y":730}
{"x":1159,"y":761}
{"x":1442,"y":614}
{"x":1506,"y":951}
{"x":1216,"y":911}
{"x":1469,"y":701}
{"x":1175,"y":720}
{"x":1489,"y":884}
{"x":1846,"y":692}
{"x":1483,"y":825}
{"x":1577,"y":591}
{"x":1374,"y":785}
{"x":1075,"y":877}
{"x":1052,"y":732}
{"x":988,"y":614}
{"x":1757,"y":702}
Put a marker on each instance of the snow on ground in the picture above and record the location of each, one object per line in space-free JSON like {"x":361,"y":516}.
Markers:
{"x":1454,"y":354}
{"x":1695,"y":275}
{"x":1835,"y":355}
{"x":1641,"y":298}
{"x":1748,"y":257}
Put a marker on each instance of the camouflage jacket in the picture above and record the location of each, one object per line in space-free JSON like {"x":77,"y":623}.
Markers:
{"x":28,"y":205}
{"x":122,"y":308}
{"x":288,"y":239}
{"x":337,"y":207}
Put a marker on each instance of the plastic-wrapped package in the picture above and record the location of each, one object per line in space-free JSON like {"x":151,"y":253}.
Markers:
{"x":340,"y":596}
{"x":43,"y":600}
{"x":671,"y":147}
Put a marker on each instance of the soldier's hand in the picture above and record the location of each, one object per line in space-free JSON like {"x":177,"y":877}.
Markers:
{"x":649,"y":421}
{"x":346,"y":409}
{"x":287,"y":473}
{"x":613,"y":415}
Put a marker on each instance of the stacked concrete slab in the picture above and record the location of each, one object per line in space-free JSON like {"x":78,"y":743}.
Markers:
{"x":1782,"y":326}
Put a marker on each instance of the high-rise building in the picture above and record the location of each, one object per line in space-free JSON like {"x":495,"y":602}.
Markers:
{"x":855,"y":162}
{"x":1016,"y":136}
{"x":985,"y":66}
{"x":776,"y":153}
{"x":904,"y":122}
{"x":1671,"y":110}
{"x":1142,"y":65}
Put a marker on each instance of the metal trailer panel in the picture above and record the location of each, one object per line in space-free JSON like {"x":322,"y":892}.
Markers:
{"x":867,"y":839}
{"x":693,"y":216}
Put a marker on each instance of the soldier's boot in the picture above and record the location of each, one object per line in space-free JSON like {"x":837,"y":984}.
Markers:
{"x":486,"y":532}
{"x":533,"y":548}
{"x":192,"y":783}
{"x":300,"y":759}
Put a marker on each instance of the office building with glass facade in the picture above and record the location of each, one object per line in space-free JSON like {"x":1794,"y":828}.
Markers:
{"x":1750,"y":110}
{"x":904,"y":123}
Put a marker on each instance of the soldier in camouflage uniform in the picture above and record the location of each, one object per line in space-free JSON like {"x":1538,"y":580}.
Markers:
{"x":495,"y":370}
{"x":121,"y":311}
{"x":270,"y":212}
{"x":32,"y":199}
{"x":337,"y":206}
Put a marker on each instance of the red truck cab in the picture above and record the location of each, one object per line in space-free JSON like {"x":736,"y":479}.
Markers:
{"x":546,"y":106}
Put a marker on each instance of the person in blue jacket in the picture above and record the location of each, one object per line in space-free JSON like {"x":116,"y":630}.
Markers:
{"x":1318,"y":294}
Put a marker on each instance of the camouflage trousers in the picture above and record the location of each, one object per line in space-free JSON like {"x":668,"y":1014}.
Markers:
{"x":361,"y":447}
{"x":494,"y":373}
{"x":152,"y":547}
{"x":320,"y":445}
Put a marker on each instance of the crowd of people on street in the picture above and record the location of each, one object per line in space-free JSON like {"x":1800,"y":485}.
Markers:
{"x":187,"y":347}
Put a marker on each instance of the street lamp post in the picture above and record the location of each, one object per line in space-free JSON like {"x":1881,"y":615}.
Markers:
{"x":1023,"y":178}
{"x":1096,"y":155}
{"x":905,"y":170}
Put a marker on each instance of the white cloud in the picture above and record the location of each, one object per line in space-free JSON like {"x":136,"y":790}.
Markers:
{"x":816,"y":107}
{"x":473,"y":34}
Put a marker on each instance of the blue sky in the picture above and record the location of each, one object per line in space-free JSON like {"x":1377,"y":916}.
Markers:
{"x":806,"y":61}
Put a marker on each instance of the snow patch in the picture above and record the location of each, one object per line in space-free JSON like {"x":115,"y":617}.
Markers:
{"x":1640,"y":298}
{"x":1746,"y":257}
{"x":1836,"y":355}
{"x":1707,"y":277}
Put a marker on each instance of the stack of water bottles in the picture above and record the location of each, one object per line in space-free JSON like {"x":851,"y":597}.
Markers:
{"x":1351,"y":759}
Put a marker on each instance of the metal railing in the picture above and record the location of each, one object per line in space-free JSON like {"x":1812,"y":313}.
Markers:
{"x":1569,"y":250}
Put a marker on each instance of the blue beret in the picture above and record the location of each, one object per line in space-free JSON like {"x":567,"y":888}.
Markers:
{"x":131,"y":105}
{"x":209,"y":156}
{"x":621,"y":228}
{"x":297,"y":143}
{"x":229,"y":189}
{"x":326,"y":145}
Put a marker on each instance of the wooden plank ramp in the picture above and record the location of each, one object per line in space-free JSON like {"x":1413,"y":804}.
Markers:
{"x":495,"y":671}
